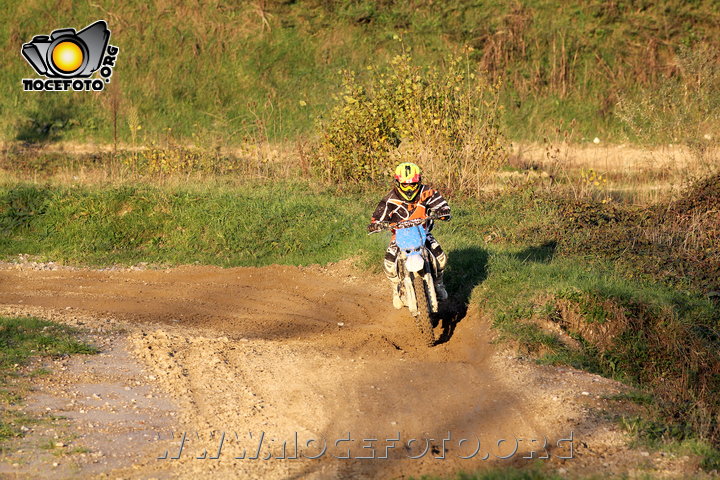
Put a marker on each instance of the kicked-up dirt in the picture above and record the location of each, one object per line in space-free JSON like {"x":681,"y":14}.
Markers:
{"x":292,"y":372}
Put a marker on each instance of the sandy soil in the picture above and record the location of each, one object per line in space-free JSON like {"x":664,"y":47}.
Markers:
{"x":266,"y":363}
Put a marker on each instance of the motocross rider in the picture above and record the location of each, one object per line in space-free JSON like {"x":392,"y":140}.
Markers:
{"x":410,"y":199}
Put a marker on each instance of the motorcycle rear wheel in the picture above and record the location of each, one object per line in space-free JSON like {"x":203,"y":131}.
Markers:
{"x":422,"y":319}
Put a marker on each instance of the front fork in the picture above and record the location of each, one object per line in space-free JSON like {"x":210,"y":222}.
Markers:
{"x":410,"y":299}
{"x":428,"y":281}
{"x":430,"y":289}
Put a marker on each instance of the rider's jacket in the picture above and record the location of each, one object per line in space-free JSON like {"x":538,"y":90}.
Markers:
{"x":393,"y":208}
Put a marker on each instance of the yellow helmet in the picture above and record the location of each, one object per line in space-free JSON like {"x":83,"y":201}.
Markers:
{"x":407,"y":180}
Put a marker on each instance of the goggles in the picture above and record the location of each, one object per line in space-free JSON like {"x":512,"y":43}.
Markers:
{"x":408,"y":187}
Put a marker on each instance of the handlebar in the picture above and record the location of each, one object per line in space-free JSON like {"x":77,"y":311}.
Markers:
{"x":405,"y":223}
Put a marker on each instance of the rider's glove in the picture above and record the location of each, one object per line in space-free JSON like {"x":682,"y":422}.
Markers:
{"x":443,"y":214}
{"x":374,"y":227}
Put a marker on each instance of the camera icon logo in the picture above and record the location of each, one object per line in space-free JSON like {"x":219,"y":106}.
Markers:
{"x":66,"y":53}
{"x":68,"y":58}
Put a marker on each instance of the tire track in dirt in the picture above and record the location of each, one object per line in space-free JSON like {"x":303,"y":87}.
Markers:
{"x":318,"y":353}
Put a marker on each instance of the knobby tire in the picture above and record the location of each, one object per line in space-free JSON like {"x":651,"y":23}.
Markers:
{"x":422,"y":319}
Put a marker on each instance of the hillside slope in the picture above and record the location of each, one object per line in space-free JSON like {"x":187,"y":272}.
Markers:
{"x":209,"y":71}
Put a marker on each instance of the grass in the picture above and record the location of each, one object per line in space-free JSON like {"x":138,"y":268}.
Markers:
{"x":658,"y":435}
{"x":20,"y":340}
{"x":23,"y":337}
{"x":635,"y":396}
{"x":263,"y":70}
{"x":274,"y":223}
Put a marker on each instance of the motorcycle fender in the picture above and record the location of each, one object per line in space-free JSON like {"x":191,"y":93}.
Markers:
{"x":414,"y":263}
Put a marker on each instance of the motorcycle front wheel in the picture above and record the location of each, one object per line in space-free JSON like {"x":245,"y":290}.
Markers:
{"x":422,"y":319}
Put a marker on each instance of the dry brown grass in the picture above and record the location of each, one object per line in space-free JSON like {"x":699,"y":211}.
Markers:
{"x":70,"y":163}
{"x":626,"y":173}
{"x":632,"y":174}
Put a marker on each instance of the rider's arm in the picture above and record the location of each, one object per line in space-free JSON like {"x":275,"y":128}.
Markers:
{"x":438,"y":205}
{"x":382,"y":211}
{"x":379,"y":215}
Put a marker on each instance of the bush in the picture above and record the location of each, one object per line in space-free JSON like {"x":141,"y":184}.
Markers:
{"x":446,"y":119}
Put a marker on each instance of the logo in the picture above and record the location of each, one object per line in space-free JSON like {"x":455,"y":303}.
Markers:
{"x":68,"y":59}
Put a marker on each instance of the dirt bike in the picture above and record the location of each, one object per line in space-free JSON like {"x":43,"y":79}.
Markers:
{"x":416,"y":269}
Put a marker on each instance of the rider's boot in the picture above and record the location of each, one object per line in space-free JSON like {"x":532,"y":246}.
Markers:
{"x":440,"y":262}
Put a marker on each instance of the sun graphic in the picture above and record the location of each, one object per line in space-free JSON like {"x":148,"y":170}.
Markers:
{"x":67,"y":56}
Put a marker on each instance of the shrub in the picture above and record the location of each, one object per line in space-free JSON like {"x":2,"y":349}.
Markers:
{"x":447,"y":119}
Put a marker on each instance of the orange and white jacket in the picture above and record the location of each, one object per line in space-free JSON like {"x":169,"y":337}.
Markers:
{"x":393,"y":208}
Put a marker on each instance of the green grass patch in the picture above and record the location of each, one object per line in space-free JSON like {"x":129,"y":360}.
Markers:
{"x":20,"y":340}
{"x":672,"y":438}
{"x":636,"y":396}
{"x":645,"y":334}
{"x":278,"y":223}
{"x":674,"y":241}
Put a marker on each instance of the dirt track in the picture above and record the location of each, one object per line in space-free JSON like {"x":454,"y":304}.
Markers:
{"x":318,"y":352}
